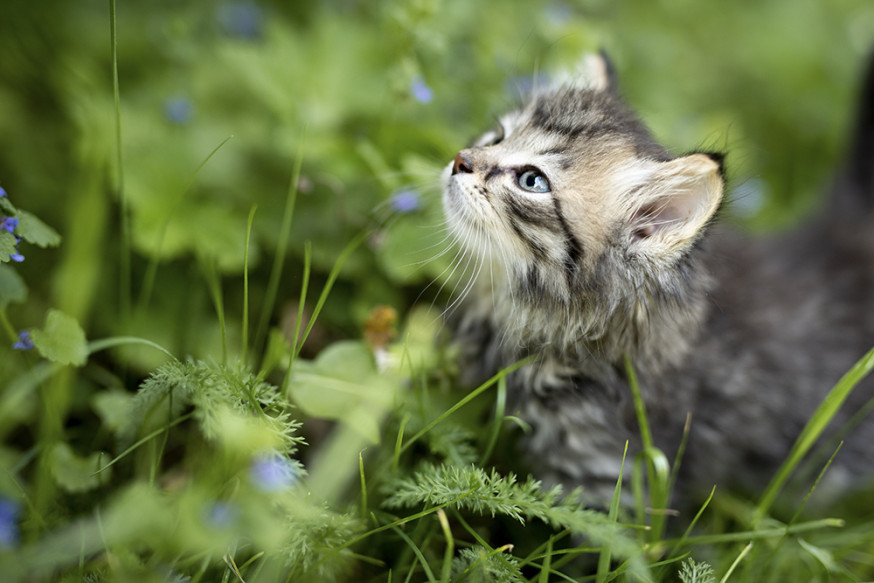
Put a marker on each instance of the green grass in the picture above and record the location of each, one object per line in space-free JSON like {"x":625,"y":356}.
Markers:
{"x":217,"y":390}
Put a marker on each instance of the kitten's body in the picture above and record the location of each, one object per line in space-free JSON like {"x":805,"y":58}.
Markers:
{"x":612,"y":259}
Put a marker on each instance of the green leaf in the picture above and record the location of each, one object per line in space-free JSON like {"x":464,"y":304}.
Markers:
{"x":114,"y":409}
{"x":693,"y":572}
{"x":74,"y":473}
{"x":7,"y":245}
{"x":7,"y":207}
{"x":825,"y":558}
{"x":36,"y":232}
{"x":62,"y":340}
{"x":343,"y":384}
{"x":12,"y":287}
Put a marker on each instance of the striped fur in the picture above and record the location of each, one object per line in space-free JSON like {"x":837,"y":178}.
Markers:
{"x":612,"y":260}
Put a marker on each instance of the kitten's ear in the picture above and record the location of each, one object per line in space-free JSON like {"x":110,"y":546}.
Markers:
{"x":679,"y":199}
{"x":594,"y":72}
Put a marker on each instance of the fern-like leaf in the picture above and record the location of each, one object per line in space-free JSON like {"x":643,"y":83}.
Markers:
{"x":473,"y":489}
{"x":479,"y":565}
{"x":693,"y":572}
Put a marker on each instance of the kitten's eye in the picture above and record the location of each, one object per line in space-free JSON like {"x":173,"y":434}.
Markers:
{"x":533,"y":181}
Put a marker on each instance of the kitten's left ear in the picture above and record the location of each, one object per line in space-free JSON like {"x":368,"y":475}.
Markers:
{"x":596,"y":72}
{"x":680,"y":197}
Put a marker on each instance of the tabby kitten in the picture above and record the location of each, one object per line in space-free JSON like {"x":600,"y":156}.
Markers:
{"x":592,"y":241}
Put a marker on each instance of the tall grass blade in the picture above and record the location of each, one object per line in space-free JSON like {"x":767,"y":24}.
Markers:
{"x":448,"y":553}
{"x":245,"y":330}
{"x":811,"y":432}
{"x":281,"y":248}
{"x":329,"y":284}
{"x":497,"y":422}
{"x":125,"y":249}
{"x":613,"y":515}
{"x":213,"y":281}
{"x":736,"y":562}
{"x":466,"y":399}
{"x":155,"y":259}
{"x":658,"y":468}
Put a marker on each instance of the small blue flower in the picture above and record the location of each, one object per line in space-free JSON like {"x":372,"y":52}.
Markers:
{"x":242,"y":19}
{"x":24,"y":341}
{"x":405,"y":201}
{"x":2,"y":192}
{"x":221,"y":514}
{"x":272,"y":472}
{"x":9,"y":511}
{"x":420,"y":90}
{"x":558,"y":13}
{"x":8,"y":224}
{"x":178,"y":110}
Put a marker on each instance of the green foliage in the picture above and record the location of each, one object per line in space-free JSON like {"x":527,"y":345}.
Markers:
{"x":474,"y":489}
{"x":153,"y":434}
{"x":480,"y":565}
{"x":693,"y":572}
{"x":231,"y":407}
{"x":61,"y":340}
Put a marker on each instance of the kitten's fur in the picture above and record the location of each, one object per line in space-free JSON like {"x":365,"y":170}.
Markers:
{"x":619,"y":257}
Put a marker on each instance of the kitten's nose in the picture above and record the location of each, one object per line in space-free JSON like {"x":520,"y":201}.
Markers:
{"x":461,"y":165}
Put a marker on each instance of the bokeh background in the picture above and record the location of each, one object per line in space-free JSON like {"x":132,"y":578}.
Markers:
{"x":227,"y":111}
{"x":377,"y":96}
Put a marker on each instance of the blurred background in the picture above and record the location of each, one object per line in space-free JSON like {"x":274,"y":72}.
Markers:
{"x":230,"y":111}
{"x":218,"y":100}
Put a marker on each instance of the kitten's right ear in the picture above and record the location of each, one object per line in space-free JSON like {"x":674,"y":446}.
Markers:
{"x":680,"y":197}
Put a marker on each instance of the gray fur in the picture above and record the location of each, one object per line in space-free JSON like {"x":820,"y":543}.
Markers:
{"x":747,"y":335}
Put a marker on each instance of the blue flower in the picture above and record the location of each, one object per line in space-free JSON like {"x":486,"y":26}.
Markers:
{"x":178,"y":110}
{"x":2,"y":192}
{"x":242,"y":19}
{"x":221,"y":514}
{"x":9,"y":510}
{"x":24,"y":341}
{"x":272,"y":472}
{"x":420,"y":90}
{"x":8,"y":224}
{"x":405,"y":201}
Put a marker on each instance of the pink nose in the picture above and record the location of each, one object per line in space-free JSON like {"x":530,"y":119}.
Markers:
{"x":461,"y":165}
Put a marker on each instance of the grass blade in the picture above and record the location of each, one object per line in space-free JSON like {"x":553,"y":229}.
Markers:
{"x":125,"y":248}
{"x":613,"y":515}
{"x":658,"y":469}
{"x":467,"y":398}
{"x":281,"y":248}
{"x":245,"y":330}
{"x":811,"y":432}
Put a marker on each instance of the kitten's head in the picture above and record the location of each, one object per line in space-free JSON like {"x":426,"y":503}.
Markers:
{"x":579,"y":204}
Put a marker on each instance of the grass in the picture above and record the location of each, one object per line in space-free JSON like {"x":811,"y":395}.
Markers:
{"x":225,"y":418}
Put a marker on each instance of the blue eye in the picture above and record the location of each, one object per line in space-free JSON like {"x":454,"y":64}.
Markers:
{"x":533,"y":181}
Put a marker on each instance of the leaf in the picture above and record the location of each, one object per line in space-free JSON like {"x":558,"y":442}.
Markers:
{"x":114,"y":409}
{"x":7,"y":207}
{"x":693,"y":572}
{"x":36,"y":232}
{"x":825,"y":558}
{"x":74,"y":473}
{"x":62,"y":340}
{"x":7,"y":246}
{"x":343,"y":384}
{"x":12,"y":287}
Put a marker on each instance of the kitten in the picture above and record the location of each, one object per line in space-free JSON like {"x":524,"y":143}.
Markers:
{"x":591,"y":241}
